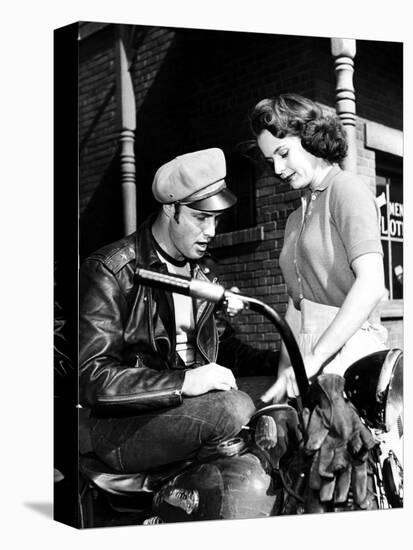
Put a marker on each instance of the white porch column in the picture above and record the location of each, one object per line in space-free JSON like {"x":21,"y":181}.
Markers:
{"x":127,"y":123}
{"x":344,"y":51}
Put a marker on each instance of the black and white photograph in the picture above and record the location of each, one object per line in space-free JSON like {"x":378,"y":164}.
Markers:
{"x":225,"y":280}
{"x":240,"y":316}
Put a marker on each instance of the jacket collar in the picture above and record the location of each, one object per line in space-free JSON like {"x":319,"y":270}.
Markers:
{"x":146,"y":255}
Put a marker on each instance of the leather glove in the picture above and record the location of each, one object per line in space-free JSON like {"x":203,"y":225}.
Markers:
{"x":340,"y":443}
{"x":276,"y":431}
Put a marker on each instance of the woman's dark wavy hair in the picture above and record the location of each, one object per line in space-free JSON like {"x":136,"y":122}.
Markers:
{"x":293,"y":115}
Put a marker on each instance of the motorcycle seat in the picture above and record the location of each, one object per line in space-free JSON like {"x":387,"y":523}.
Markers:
{"x":110,"y":481}
{"x":117,"y":483}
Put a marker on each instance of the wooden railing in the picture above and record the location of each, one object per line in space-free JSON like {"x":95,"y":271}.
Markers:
{"x":344,"y":51}
{"x":127,"y":125}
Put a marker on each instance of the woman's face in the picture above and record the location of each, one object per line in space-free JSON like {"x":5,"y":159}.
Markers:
{"x":291,"y":162}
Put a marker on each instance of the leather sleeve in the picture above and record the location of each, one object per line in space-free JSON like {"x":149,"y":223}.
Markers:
{"x":64,"y":369}
{"x":105,"y":380}
{"x":243,"y":359}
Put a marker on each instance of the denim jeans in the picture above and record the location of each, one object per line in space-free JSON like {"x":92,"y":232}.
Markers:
{"x":190,"y":431}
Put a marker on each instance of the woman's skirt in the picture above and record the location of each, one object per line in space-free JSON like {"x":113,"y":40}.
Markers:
{"x":315,"y":318}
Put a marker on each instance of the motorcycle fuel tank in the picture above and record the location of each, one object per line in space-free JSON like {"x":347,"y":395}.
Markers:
{"x":229,"y":487}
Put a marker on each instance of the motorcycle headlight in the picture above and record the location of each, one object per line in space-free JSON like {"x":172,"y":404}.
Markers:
{"x":374,"y":384}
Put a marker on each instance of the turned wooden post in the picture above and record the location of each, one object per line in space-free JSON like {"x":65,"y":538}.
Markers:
{"x":344,"y":51}
{"x":126,"y":111}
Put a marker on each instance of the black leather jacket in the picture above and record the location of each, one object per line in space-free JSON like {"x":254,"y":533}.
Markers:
{"x":127,"y":332}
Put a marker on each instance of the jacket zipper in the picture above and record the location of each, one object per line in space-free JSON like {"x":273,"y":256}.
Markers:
{"x":150,"y":321}
{"x":204,"y":316}
{"x":130,"y":399}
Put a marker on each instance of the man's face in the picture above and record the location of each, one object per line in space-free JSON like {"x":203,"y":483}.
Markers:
{"x":191,"y":236}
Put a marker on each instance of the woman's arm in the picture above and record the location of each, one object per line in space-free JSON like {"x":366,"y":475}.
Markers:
{"x":367,"y":291}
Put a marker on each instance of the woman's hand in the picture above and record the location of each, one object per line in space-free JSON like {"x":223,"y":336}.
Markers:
{"x":286,"y":384}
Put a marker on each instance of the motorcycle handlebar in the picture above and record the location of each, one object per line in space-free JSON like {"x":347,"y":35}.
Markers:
{"x":196,"y":288}
{"x":216,"y":293}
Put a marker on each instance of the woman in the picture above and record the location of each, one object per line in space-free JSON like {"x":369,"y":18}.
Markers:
{"x":332,"y":259}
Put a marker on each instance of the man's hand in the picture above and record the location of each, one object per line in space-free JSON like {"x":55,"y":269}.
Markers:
{"x":233,"y":305}
{"x":207,"y":378}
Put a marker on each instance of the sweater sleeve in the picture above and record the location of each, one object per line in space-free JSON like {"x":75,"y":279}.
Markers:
{"x":356,"y":214}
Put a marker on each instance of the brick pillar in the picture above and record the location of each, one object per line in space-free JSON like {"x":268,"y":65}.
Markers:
{"x":344,"y":51}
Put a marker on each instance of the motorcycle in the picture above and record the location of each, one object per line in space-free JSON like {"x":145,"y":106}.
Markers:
{"x":246,"y":480}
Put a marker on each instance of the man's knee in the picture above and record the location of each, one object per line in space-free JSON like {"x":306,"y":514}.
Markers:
{"x":234,"y":410}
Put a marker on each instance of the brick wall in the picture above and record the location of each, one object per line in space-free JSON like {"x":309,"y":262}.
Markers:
{"x":253,"y":266}
{"x":193,"y":90}
{"x":378,"y":80}
{"x":99,"y":192}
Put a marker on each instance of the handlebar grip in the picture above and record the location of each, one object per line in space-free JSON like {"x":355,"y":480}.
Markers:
{"x":174,"y":283}
{"x":196,"y":288}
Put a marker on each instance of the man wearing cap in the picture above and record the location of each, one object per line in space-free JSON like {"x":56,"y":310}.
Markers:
{"x":150,"y":360}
